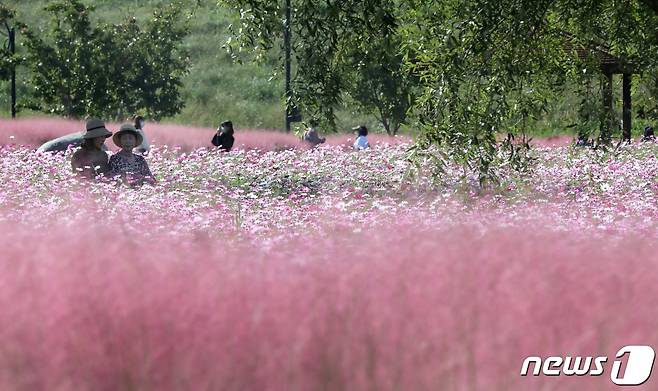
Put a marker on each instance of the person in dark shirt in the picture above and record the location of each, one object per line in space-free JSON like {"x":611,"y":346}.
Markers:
{"x":224,"y":137}
{"x":583,"y":139}
{"x":648,"y":134}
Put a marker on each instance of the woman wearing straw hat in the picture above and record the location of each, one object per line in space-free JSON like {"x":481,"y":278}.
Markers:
{"x":90,"y":160}
{"x":132,"y":168}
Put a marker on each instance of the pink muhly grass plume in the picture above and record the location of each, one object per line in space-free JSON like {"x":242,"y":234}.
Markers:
{"x":400,"y":308}
{"x":36,"y":131}
{"x":33,"y":132}
{"x":554,"y":141}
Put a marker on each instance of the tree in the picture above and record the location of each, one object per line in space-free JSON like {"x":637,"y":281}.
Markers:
{"x":7,"y":60}
{"x":481,"y":67}
{"x":484,"y":71}
{"x":340,"y":48}
{"x":151,"y":63}
{"x":378,"y":82}
{"x":108,"y":71}
{"x":487,"y":66}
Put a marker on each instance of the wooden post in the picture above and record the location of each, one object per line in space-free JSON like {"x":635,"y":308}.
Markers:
{"x":607,"y":117}
{"x":626,"y":115}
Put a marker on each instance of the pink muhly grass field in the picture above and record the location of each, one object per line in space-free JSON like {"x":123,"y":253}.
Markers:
{"x":33,"y":132}
{"x":323,"y":270}
{"x":400,"y":308}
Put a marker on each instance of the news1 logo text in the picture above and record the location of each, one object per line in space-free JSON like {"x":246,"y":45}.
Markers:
{"x":638,"y":360}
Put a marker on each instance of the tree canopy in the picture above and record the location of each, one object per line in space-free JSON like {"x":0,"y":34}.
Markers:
{"x":479,"y":67}
{"x":107,"y":70}
{"x":342,"y":48}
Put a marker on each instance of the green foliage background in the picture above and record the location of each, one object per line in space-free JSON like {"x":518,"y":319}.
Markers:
{"x":81,"y":69}
{"x":216,"y":89}
{"x":251,"y":94}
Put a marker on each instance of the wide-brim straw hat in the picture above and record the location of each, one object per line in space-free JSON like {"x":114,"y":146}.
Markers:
{"x":127,"y":128}
{"x":96,"y":128}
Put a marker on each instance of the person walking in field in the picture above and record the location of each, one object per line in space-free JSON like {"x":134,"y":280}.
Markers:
{"x":91,"y":160}
{"x":311,"y":136}
{"x":139,"y":123}
{"x":224,"y":139}
{"x":361,"y":141}
{"x":132,"y":168}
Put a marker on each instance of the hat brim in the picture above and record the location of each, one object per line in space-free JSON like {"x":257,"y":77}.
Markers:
{"x":95,"y":133}
{"x":117,"y":137}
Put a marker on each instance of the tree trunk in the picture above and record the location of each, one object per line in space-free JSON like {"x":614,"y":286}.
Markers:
{"x":627,"y":107}
{"x":607,"y":118}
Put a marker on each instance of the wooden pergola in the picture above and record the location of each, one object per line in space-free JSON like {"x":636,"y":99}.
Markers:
{"x":610,"y":65}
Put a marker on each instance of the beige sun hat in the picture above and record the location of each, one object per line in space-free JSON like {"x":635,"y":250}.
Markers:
{"x":127,"y":128}
{"x":96,"y":128}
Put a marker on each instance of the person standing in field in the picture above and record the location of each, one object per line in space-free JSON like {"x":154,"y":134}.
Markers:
{"x":361,"y":141}
{"x":311,"y":136}
{"x":132,"y":168}
{"x":224,"y":139}
{"x":138,"y":123}
{"x":91,"y":160}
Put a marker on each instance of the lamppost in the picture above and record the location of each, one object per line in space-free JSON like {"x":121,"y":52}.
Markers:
{"x":286,"y":44}
{"x":292,"y":112}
